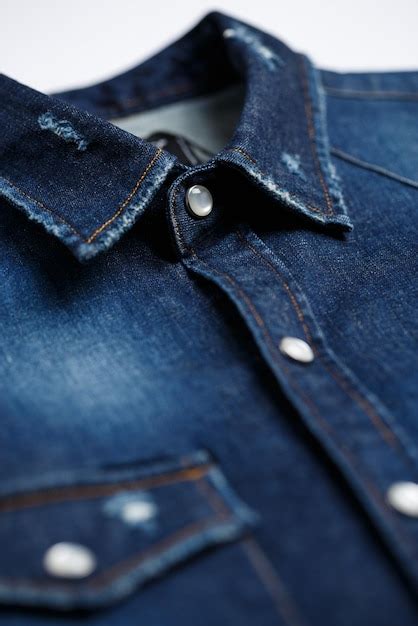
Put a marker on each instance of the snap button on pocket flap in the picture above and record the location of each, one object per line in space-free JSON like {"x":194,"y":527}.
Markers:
{"x":91,"y":539}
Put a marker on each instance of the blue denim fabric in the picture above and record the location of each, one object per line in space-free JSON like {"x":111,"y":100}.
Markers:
{"x":139,"y":353}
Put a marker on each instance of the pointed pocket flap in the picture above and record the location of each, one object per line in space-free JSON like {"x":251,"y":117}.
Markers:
{"x":89,"y":539}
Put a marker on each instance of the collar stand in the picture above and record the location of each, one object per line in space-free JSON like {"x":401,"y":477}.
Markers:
{"x":87,"y":181}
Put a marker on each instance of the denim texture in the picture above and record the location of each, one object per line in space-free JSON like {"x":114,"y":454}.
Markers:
{"x":140,"y":360}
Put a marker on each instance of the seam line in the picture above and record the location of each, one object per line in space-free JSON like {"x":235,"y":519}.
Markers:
{"x":265,"y":571}
{"x":85,"y":492}
{"x":127,"y":199}
{"x":374,"y":168}
{"x":372,"y":95}
{"x":398,"y":530}
{"x":385,"y":432}
{"x":312,"y":136}
{"x":128,"y":564}
{"x":122,"y":567}
{"x":263,"y":173}
{"x":403,"y":537}
{"x":272,"y":582}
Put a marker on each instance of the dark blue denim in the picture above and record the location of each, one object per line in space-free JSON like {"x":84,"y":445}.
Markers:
{"x":139,"y":352}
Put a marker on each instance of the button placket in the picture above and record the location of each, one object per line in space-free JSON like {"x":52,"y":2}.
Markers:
{"x":193,"y":207}
{"x":327,"y":396}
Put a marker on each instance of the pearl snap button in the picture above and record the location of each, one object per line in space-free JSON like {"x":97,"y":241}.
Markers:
{"x":69,"y":560}
{"x":296,"y":349}
{"x":403,"y":497}
{"x":199,"y":200}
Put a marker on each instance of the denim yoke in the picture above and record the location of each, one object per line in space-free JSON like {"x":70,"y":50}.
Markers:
{"x":144,"y":361}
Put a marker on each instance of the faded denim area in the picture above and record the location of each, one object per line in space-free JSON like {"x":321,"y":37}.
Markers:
{"x":147,"y":411}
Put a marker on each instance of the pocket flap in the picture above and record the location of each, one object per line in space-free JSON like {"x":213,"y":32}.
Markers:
{"x":129,"y":525}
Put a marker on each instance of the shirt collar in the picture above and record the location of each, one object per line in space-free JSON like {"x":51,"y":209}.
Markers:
{"x":88,"y":181}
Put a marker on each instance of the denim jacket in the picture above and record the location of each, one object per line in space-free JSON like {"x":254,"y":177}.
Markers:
{"x":208,"y":355}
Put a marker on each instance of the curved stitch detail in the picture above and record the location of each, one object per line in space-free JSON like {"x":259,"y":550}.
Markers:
{"x":403,"y":537}
{"x":386,"y":433}
{"x":352,"y":459}
{"x":384,"y":430}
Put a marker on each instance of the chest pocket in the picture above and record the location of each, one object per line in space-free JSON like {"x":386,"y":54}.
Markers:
{"x":89,"y":539}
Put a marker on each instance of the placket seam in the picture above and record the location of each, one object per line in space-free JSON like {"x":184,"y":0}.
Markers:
{"x":374,"y":492}
{"x":395,"y":527}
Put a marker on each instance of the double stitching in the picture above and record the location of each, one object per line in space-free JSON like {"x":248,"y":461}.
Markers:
{"x":385,"y":432}
{"x":373,"y":491}
{"x":369,"y":484}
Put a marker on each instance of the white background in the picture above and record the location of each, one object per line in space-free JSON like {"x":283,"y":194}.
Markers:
{"x":59,"y":44}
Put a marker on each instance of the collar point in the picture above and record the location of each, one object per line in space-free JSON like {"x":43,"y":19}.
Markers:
{"x":103,"y":236}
